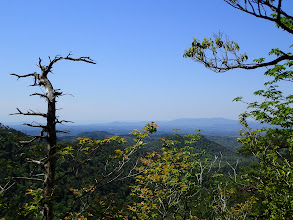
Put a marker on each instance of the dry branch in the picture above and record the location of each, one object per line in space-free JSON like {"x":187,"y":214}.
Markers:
{"x":38,"y":162}
{"x":30,"y":113}
{"x":28,"y":178}
{"x":259,"y":9}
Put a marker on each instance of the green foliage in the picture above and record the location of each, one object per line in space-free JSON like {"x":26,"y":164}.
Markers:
{"x":12,"y":164}
{"x":229,"y":142}
{"x":98,"y":173}
{"x":34,"y":207}
{"x":83,"y":171}
{"x":285,"y":20}
{"x":273,"y":148}
{"x":276,"y":107}
{"x":272,"y":180}
{"x":180,"y":182}
{"x":216,"y":53}
{"x":87,"y":168}
{"x":164,"y":183}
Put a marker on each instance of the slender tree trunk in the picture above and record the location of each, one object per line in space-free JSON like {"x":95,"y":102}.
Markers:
{"x":50,"y":165}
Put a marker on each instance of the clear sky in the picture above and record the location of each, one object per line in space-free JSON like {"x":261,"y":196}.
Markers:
{"x":138,"y":45}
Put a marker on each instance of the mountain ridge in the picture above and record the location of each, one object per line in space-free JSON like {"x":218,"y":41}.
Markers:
{"x":208,"y":126}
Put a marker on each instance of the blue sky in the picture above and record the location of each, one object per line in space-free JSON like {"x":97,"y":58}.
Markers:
{"x":138,"y":45}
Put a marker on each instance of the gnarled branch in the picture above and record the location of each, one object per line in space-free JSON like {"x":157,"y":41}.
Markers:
{"x":30,"y":112}
{"x":35,"y":75}
{"x":47,"y":69}
{"x":259,"y":9}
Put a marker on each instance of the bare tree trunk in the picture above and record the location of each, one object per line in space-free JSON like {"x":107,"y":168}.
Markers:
{"x":50,"y":164}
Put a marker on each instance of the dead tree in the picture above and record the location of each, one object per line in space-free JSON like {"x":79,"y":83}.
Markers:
{"x":48,"y":132}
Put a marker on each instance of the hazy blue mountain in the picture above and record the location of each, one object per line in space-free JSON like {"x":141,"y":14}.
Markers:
{"x":95,"y":134}
{"x":208,"y":126}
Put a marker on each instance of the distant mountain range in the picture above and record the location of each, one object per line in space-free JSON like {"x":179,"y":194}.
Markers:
{"x":208,"y":127}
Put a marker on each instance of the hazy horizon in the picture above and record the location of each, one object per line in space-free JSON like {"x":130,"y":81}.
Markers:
{"x":93,"y":122}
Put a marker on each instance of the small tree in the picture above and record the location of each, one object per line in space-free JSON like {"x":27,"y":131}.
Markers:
{"x":48,"y":132}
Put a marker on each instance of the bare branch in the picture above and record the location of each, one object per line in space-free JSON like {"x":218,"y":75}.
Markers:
{"x":63,"y":131}
{"x":32,"y":140}
{"x":6,"y":187}
{"x":47,"y":69}
{"x":39,"y":94}
{"x":63,"y":121}
{"x":31,"y":113}
{"x":35,"y":126}
{"x":36,"y":77}
{"x":262,"y":3}
{"x":58,"y":94}
{"x":28,"y":178}
{"x":21,"y":76}
{"x":38,"y":162}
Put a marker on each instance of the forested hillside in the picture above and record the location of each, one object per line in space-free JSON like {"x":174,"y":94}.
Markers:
{"x":116,"y":195}
{"x":230,"y":142}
